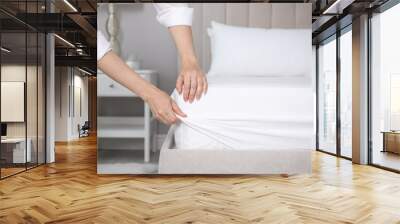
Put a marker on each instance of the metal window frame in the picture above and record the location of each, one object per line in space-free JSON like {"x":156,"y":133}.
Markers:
{"x":387,"y":5}
{"x":334,"y":37}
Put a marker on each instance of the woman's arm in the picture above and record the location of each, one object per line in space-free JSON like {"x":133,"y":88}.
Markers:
{"x":162,"y":106}
{"x":191,"y":81}
{"x":178,"y":18}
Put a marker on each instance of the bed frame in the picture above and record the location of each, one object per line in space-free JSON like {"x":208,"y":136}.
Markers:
{"x":181,"y":161}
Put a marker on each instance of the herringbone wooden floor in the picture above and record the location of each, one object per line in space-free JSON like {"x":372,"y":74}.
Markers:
{"x":70,"y":191}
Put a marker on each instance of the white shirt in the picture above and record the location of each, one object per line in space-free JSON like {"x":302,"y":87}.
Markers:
{"x":168,"y":14}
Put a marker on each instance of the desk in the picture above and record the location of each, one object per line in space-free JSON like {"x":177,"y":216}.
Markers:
{"x":17,"y":150}
{"x":391,"y":141}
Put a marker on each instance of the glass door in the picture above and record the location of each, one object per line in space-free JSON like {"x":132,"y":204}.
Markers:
{"x":22,"y":77}
{"x":335,"y":94}
{"x":327,"y":96}
{"x":13,"y":103}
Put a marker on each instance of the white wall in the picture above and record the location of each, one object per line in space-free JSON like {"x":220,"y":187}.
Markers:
{"x":79,"y":118}
{"x":66,"y":121}
{"x":143,"y":36}
{"x":61,"y":103}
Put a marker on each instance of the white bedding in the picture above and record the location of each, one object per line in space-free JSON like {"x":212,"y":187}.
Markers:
{"x":267,"y":113}
{"x":282,"y":52}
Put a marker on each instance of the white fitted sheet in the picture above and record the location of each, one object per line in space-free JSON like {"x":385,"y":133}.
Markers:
{"x":263,"y":113}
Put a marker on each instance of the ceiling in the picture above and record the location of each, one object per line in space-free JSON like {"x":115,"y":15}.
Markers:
{"x":329,"y":16}
{"x":75,"y":21}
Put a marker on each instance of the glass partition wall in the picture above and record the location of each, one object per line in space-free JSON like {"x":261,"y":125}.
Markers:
{"x":385,"y":89}
{"x":334,"y":75}
{"x":22,"y":77}
{"x":346,"y":71}
{"x":327,"y":96}
{"x":334,"y":94}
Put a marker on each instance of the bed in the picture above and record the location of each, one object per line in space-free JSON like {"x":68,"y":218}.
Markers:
{"x":243,"y":125}
{"x":258,"y":114}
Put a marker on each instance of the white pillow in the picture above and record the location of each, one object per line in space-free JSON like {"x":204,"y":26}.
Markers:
{"x":259,"y":52}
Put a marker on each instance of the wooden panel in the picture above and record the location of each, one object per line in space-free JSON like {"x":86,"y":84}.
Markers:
{"x":237,"y":14}
{"x":303,"y":15}
{"x":211,"y":12}
{"x":283,"y":15}
{"x":92,"y":86}
{"x":260,"y":15}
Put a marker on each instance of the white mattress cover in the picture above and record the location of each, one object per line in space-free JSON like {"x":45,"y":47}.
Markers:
{"x":249,"y":113}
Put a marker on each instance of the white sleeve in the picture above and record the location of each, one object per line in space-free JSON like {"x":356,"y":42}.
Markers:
{"x":174,"y":14}
{"x":103,"y":46}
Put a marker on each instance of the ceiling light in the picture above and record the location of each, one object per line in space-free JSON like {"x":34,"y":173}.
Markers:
{"x":5,"y":50}
{"x":338,"y":6}
{"x":64,"y":40}
{"x":79,"y":51}
{"x":70,"y":5}
{"x":84,"y":71}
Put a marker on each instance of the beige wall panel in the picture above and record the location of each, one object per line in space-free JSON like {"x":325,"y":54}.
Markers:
{"x":237,"y":14}
{"x":283,"y":16}
{"x":303,"y":15}
{"x":211,"y":12}
{"x":260,"y":15}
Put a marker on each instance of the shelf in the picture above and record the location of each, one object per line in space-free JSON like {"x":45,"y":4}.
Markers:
{"x":125,"y":162}
{"x":121,"y":127}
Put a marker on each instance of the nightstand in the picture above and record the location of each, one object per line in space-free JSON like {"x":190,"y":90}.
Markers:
{"x":118,"y":127}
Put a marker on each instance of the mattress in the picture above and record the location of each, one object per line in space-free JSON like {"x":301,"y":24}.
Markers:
{"x":248,"y":113}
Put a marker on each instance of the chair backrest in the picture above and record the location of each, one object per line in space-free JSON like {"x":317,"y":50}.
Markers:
{"x":86,"y":125}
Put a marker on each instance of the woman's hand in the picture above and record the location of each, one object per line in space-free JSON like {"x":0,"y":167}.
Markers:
{"x":191,"y":82}
{"x":164,"y":107}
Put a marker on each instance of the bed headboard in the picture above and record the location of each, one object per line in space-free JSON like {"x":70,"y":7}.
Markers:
{"x":263,"y":15}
